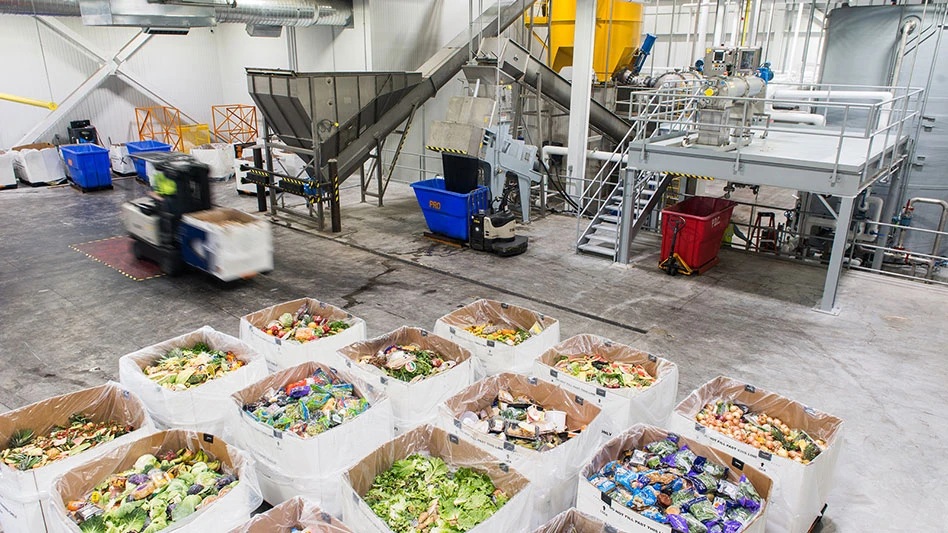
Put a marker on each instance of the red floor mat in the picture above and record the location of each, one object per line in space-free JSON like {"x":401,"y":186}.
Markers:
{"x":116,"y":252}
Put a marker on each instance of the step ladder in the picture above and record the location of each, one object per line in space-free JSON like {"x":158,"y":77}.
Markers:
{"x":764,"y":238}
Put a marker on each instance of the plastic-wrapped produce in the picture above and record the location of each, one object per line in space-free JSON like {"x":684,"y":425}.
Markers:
{"x":296,"y":515}
{"x":25,"y":493}
{"x":199,"y":507}
{"x":800,"y":490}
{"x":416,"y":369}
{"x":288,"y":345}
{"x":618,"y":486}
{"x":648,"y":401}
{"x":205,"y":407}
{"x":506,"y":338}
{"x":303,"y":433}
{"x":457,"y":454}
{"x":537,"y":427}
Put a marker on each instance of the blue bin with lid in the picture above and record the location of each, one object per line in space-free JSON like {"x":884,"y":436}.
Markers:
{"x":144,"y":146}
{"x":449,"y":213}
{"x":89,"y":165}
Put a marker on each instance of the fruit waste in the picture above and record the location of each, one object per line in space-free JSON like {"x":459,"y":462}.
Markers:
{"x":670,"y":484}
{"x":521,"y":421}
{"x":309,"y":407}
{"x":184,"y":368}
{"x":303,"y":326}
{"x":511,"y":336}
{"x":408,"y":362}
{"x":154,"y":494}
{"x":26,"y":450}
{"x":422,"y":494}
{"x":760,"y":431}
{"x":609,"y":374}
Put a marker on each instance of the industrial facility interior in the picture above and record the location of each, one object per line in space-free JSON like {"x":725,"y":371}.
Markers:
{"x":745,"y":199}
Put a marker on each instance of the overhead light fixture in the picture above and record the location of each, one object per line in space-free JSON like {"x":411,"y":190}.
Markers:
{"x":166,"y":31}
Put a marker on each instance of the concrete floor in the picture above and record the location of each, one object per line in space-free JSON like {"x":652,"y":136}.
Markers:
{"x":879,"y":365}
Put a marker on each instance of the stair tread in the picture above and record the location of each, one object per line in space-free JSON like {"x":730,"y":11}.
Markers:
{"x":611,"y":228}
{"x":597,"y":250}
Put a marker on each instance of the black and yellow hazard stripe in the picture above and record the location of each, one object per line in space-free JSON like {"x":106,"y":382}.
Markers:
{"x":692,"y":176}
{"x":448,"y":150}
{"x":119,"y":270}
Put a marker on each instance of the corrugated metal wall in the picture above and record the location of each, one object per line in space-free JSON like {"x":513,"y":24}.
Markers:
{"x":860,"y":49}
{"x":192,"y":72}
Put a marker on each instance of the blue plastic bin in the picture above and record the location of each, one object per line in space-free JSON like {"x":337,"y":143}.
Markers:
{"x":449,"y":213}
{"x":145,"y":146}
{"x":89,"y":165}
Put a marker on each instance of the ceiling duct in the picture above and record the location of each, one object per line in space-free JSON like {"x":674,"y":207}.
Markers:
{"x":187,"y":14}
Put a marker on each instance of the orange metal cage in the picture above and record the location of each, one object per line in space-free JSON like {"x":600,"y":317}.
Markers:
{"x":235,"y":123}
{"x":161,"y":123}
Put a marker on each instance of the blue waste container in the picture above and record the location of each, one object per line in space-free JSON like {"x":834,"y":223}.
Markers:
{"x":145,"y":146}
{"x":89,"y":165}
{"x":449,"y":213}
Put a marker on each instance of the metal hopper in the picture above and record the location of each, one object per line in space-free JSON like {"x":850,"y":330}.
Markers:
{"x":338,"y":107}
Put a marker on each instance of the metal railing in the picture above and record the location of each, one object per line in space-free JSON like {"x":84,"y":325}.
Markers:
{"x":674,"y":108}
{"x":890,"y":118}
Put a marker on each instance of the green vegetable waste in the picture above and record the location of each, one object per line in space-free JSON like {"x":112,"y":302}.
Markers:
{"x":422,"y":494}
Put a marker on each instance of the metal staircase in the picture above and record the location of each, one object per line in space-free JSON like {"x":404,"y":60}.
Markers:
{"x":618,"y":201}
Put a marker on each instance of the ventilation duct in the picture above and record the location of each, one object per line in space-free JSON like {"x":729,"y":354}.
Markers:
{"x":186,"y":14}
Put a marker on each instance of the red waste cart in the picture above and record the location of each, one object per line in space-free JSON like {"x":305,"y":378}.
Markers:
{"x":696,"y":226}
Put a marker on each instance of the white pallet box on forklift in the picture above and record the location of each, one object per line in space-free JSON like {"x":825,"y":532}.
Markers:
{"x":288,"y":464}
{"x":228,"y":243}
{"x":800,"y":490}
{"x":497,"y":356}
{"x":7,"y":172}
{"x":206,"y":407}
{"x":456,"y":452}
{"x":553,"y":471}
{"x":24,"y":494}
{"x":227,"y":511}
{"x":625,"y":406}
{"x":286,"y":353}
{"x":592,"y":501}
{"x":292,"y":515}
{"x":39,"y":163}
{"x":414,"y":403}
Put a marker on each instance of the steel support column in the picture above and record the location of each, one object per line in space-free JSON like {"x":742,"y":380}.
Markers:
{"x":580,"y":93}
{"x":843,"y":218}
{"x":335,"y":211}
{"x":261,"y":190}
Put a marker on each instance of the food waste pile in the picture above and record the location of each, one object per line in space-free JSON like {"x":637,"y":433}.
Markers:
{"x":670,"y":484}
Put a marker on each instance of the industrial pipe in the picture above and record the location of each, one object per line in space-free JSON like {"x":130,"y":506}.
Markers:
{"x":254,"y":12}
{"x":795,"y":117}
{"x":941,"y":222}
{"x":876,"y":96}
{"x":908,"y":27}
{"x":29,"y":101}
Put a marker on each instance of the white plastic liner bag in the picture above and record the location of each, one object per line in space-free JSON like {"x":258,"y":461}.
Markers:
{"x":415,"y":403}
{"x":206,"y":407}
{"x":288,"y":464}
{"x":497,"y":356}
{"x":230,"y":510}
{"x":456,"y":452}
{"x":286,"y":353}
{"x":625,"y":406}
{"x":24,"y":494}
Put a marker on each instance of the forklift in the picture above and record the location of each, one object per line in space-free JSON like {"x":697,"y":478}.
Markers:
{"x":176,"y":226}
